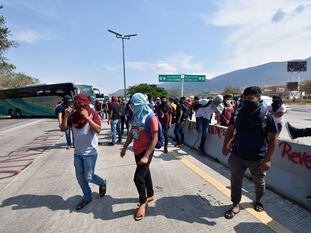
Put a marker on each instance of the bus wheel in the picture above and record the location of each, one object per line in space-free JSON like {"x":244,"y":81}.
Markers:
{"x":18,"y":113}
{"x":11,"y":113}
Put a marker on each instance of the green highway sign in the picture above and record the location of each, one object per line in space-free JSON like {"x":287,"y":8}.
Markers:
{"x":194,"y":78}
{"x":169,"y":78}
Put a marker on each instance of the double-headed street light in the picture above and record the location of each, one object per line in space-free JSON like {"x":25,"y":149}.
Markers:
{"x":123,"y":37}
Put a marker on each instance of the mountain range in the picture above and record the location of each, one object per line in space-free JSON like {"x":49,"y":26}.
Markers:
{"x":268,"y":74}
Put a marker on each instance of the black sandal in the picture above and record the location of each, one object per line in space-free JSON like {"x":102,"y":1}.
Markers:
{"x":258,"y":207}
{"x":230,"y":214}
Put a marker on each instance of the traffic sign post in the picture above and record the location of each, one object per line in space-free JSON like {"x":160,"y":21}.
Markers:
{"x":181,"y":78}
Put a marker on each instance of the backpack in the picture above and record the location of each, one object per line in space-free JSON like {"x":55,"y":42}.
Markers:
{"x":263,"y":116}
{"x":160,"y":132}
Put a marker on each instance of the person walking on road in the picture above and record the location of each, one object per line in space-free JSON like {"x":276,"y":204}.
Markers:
{"x":144,"y":145}
{"x":179,"y":124}
{"x":60,"y":112}
{"x":227,"y":112}
{"x":114,"y":120}
{"x":85,"y":125}
{"x":254,"y":147}
{"x":163,"y":112}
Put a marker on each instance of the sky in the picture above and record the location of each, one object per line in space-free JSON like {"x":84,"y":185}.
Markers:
{"x":68,"y":41}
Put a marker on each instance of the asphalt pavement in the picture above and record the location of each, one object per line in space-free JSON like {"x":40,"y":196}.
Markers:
{"x":191,"y":194}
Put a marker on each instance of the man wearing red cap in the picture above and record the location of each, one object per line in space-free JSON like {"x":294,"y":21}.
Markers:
{"x":85,"y":125}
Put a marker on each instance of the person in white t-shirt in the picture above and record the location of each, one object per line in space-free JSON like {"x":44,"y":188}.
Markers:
{"x":277,"y":109}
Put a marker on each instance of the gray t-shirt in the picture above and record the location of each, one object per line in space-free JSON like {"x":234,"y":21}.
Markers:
{"x":86,"y":139}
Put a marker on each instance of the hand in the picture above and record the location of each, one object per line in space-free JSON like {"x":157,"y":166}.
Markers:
{"x":143,"y":161}
{"x":108,"y":122}
{"x":265,"y":165}
{"x":68,"y":111}
{"x":225,"y":150}
{"x":84,"y":113}
{"x":123,"y":152}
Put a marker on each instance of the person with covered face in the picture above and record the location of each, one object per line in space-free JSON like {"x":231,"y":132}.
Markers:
{"x":254,"y":146}
{"x":228,"y":110}
{"x":204,"y":115}
{"x":277,"y":110}
{"x":86,"y":126}
{"x":143,"y":148}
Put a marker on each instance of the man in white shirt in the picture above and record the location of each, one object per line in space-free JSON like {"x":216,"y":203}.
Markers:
{"x":204,"y":115}
{"x":277,"y":110}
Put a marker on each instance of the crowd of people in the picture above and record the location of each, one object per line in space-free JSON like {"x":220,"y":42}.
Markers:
{"x":253,"y":126}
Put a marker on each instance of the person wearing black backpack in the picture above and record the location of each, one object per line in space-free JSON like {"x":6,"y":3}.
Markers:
{"x":164,"y":114}
{"x":254,"y":145}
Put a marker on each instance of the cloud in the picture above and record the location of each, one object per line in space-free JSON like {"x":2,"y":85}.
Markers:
{"x":176,"y":63}
{"x":262,"y":30}
{"x":31,"y":36}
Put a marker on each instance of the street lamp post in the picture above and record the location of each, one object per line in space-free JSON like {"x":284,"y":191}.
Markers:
{"x":123,"y":37}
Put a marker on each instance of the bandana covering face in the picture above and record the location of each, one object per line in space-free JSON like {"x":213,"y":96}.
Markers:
{"x":78,"y":120}
{"x":141,"y":108}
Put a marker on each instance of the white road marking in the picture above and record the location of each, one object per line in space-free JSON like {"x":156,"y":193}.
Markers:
{"x":6,"y":130}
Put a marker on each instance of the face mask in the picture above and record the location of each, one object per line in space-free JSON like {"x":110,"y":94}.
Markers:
{"x":250,"y":106}
{"x":228,"y":102}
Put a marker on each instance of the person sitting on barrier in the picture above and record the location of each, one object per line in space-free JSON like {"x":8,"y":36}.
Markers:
{"x":296,"y":132}
{"x":254,"y":146}
{"x":277,"y":110}
{"x":143,"y":147}
{"x":204,"y":115}
{"x":228,"y":111}
{"x":85,"y":124}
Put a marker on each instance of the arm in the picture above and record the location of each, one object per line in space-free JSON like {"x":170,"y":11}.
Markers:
{"x":126,"y":144}
{"x":110,"y":116}
{"x":180,"y":116}
{"x":154,"y":140}
{"x":60,"y":119}
{"x":97,"y":128}
{"x":279,"y":114}
{"x":228,"y":136}
{"x":272,"y":140}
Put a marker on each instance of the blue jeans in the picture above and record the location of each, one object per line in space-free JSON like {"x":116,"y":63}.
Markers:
{"x":116,"y":127}
{"x":84,"y":166}
{"x":202,"y":127}
{"x":68,"y":136}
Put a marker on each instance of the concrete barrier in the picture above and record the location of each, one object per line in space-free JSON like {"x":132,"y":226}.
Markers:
{"x":290,"y":174}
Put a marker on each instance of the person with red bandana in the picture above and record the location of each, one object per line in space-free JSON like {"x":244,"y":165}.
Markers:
{"x":85,"y":125}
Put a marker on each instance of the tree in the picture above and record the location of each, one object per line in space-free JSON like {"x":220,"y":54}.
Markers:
{"x":232,"y":90}
{"x":148,"y":89}
{"x":8,"y":78}
{"x":306,"y":86}
{"x":5,"y":42}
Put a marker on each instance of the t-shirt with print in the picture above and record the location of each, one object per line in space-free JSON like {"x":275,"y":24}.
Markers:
{"x":142,"y":143}
{"x":86,"y":139}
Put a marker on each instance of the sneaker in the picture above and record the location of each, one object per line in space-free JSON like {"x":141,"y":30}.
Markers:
{"x":119,"y":141}
{"x":103,"y":189}
{"x":292,"y":131}
{"x":165,"y":150}
{"x":68,"y":147}
{"x":179,"y":145}
{"x":83,"y":203}
{"x":110,"y":143}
